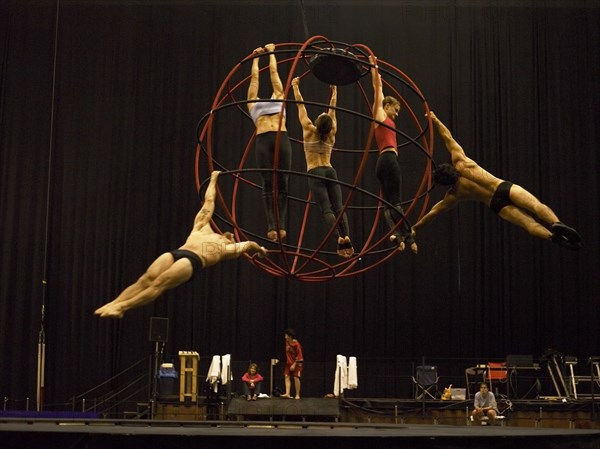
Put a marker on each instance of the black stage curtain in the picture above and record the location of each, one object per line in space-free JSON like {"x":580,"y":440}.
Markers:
{"x":98,"y":113}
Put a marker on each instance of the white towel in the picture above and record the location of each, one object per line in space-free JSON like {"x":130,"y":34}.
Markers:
{"x":341,"y":375}
{"x":226,"y":374}
{"x":352,"y":374}
{"x":214,"y":372}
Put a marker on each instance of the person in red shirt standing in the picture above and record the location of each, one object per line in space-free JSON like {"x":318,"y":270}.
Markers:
{"x":252,"y":381}
{"x":294,"y":363}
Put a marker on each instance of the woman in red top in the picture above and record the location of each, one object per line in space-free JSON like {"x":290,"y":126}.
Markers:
{"x":385,"y":110}
{"x":294,"y":363}
{"x":252,"y":381}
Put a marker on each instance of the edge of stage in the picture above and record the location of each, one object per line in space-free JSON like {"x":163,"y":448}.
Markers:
{"x":313,"y":422}
{"x":147,"y":434}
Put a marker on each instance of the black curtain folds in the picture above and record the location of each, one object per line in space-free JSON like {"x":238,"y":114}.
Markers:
{"x":98,"y":180}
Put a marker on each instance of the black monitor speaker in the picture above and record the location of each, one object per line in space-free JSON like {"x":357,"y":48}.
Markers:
{"x":159,"y":329}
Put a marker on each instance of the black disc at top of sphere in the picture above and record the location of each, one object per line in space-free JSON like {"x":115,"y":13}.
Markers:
{"x":331,"y":68}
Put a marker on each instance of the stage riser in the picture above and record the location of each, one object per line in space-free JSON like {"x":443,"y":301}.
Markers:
{"x":278,"y":407}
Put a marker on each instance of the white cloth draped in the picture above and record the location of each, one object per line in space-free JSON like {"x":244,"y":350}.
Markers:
{"x":219,"y":370}
{"x":341,"y":375}
{"x":346,"y":374}
{"x":214,"y":372}
{"x":226,"y":375}
{"x":352,"y":374}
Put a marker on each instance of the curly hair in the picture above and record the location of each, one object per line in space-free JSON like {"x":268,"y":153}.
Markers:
{"x":445,"y":175}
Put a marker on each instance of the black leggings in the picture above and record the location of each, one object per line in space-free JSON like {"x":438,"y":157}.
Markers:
{"x":327,"y":193}
{"x":265,"y":150}
{"x":388,"y":172}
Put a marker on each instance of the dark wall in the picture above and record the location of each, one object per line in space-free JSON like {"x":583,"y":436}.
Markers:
{"x":98,"y":113}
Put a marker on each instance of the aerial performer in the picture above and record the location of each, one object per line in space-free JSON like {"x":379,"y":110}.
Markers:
{"x":203,"y":248}
{"x":318,"y":139}
{"x":387,"y":169}
{"x":468,"y":181}
{"x":269,"y":119}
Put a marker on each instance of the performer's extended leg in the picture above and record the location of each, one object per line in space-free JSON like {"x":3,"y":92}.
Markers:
{"x":559,"y":233}
{"x":164,"y":274}
{"x":328,"y":196}
{"x":345,"y":248}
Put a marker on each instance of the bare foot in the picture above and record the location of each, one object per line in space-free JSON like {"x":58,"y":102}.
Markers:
{"x":349,"y":247}
{"x":272,"y":234}
{"x":100,"y":310}
{"x":340,"y":247}
{"x":344,"y":247}
{"x":112,"y":311}
{"x":410,"y":240}
{"x":285,"y":396}
{"x":397,"y":240}
{"x":297,"y":397}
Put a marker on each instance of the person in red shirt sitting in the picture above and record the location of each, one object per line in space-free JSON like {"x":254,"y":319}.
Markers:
{"x":252,"y":381}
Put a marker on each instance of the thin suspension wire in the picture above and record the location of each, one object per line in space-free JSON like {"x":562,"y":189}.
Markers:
{"x":42,"y":333}
{"x":304,"y":22}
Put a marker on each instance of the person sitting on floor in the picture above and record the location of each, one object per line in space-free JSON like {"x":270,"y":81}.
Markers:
{"x":484,"y":404}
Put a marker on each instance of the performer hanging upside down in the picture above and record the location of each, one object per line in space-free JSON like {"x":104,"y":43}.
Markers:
{"x":469,"y":181}
{"x":318,"y":144}
{"x":203,"y":248}
{"x":270,"y":124}
{"x":385,"y":110}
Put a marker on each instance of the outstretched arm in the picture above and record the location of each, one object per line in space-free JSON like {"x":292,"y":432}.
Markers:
{"x":378,"y":112}
{"x":203,"y":217}
{"x":333,"y":103}
{"x":235,"y":250}
{"x":254,"y":77}
{"x":302,"y":114}
{"x":444,"y":205}
{"x":275,"y":80}
{"x":456,"y":151}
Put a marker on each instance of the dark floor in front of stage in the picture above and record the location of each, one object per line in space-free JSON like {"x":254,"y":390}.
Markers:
{"x":149,"y":434}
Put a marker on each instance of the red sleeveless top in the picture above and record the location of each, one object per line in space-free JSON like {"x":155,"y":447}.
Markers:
{"x":385,"y":137}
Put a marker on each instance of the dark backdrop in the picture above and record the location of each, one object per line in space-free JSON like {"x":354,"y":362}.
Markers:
{"x":98,"y":113}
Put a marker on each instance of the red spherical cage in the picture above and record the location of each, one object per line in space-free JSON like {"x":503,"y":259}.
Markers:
{"x":296,"y":257}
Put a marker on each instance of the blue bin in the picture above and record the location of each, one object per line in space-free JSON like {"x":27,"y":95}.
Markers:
{"x":168,"y":380}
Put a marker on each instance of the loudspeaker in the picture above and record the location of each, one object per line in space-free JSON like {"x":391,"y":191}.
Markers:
{"x":159,"y":329}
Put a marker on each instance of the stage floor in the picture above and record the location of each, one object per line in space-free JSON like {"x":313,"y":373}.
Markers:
{"x":148,"y":434}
